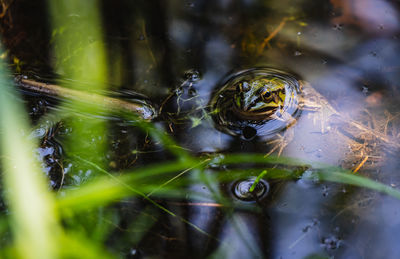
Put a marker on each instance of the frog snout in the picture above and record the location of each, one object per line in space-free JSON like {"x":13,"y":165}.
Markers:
{"x":250,"y":103}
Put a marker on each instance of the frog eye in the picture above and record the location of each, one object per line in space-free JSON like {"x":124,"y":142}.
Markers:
{"x":265,"y":95}
{"x":264,"y":92}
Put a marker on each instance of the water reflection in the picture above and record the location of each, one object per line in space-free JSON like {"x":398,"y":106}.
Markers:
{"x":372,"y":16}
{"x":345,"y":50}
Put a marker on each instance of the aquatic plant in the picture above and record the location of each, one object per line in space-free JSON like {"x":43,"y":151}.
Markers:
{"x":80,"y":219}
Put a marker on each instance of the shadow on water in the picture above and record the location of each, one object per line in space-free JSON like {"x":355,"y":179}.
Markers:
{"x":177,"y":53}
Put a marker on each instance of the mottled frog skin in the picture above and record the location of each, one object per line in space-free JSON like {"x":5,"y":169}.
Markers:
{"x":258,"y":97}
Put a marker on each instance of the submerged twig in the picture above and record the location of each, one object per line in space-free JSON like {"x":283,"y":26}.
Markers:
{"x":5,"y":7}
{"x":272,"y":34}
{"x":148,"y":44}
{"x":144,"y":111}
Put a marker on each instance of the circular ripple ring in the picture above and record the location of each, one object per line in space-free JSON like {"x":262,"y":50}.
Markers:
{"x":248,"y":124}
{"x":241,"y":189}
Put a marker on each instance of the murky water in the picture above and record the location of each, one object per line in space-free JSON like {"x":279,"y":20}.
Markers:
{"x":179,"y":54}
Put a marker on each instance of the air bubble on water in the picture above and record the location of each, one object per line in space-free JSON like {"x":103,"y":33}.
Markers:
{"x":325,"y":191}
{"x":38,"y":133}
{"x":331,"y":243}
{"x":365,"y":90}
{"x":216,"y":161}
{"x":192,"y":75}
{"x":338,"y":27}
{"x":308,"y":179}
{"x":88,"y":173}
{"x":297,"y":53}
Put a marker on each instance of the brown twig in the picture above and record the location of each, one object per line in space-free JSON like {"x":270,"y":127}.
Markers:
{"x":5,"y":8}
{"x":332,"y":115}
{"x":360,"y":165}
{"x":272,"y":35}
{"x":144,"y":111}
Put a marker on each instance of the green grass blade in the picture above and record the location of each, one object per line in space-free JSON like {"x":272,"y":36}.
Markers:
{"x":34,"y":219}
{"x":123,"y":186}
{"x":103,"y":191}
{"x":348,"y":178}
{"x":261,"y":175}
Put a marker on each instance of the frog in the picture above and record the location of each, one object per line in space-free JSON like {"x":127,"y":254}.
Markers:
{"x":259,"y":98}
{"x":260,"y":101}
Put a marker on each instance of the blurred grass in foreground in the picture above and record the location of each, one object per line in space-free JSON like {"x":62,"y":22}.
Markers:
{"x":80,"y":56}
{"x":33,"y":218}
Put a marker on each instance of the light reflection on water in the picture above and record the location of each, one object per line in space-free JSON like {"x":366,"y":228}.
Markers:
{"x":346,"y":58}
{"x":347,"y":50}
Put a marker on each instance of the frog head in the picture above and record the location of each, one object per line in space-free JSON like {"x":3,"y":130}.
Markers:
{"x":259,"y":95}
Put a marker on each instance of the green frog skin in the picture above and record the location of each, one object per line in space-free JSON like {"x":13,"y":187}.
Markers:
{"x":258,"y":98}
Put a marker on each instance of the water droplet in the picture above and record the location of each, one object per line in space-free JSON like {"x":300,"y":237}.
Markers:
{"x":365,"y":90}
{"x":297,"y":53}
{"x":134,"y":253}
{"x":241,"y":189}
{"x":308,"y":179}
{"x":338,"y":27}
{"x":325,"y":191}
{"x":331,"y":243}
{"x":216,"y":161}
{"x":192,"y":75}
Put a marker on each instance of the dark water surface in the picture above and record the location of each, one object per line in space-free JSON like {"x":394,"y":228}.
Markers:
{"x":346,"y":50}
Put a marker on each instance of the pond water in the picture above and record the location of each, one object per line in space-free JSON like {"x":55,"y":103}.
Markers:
{"x":342,"y":56}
